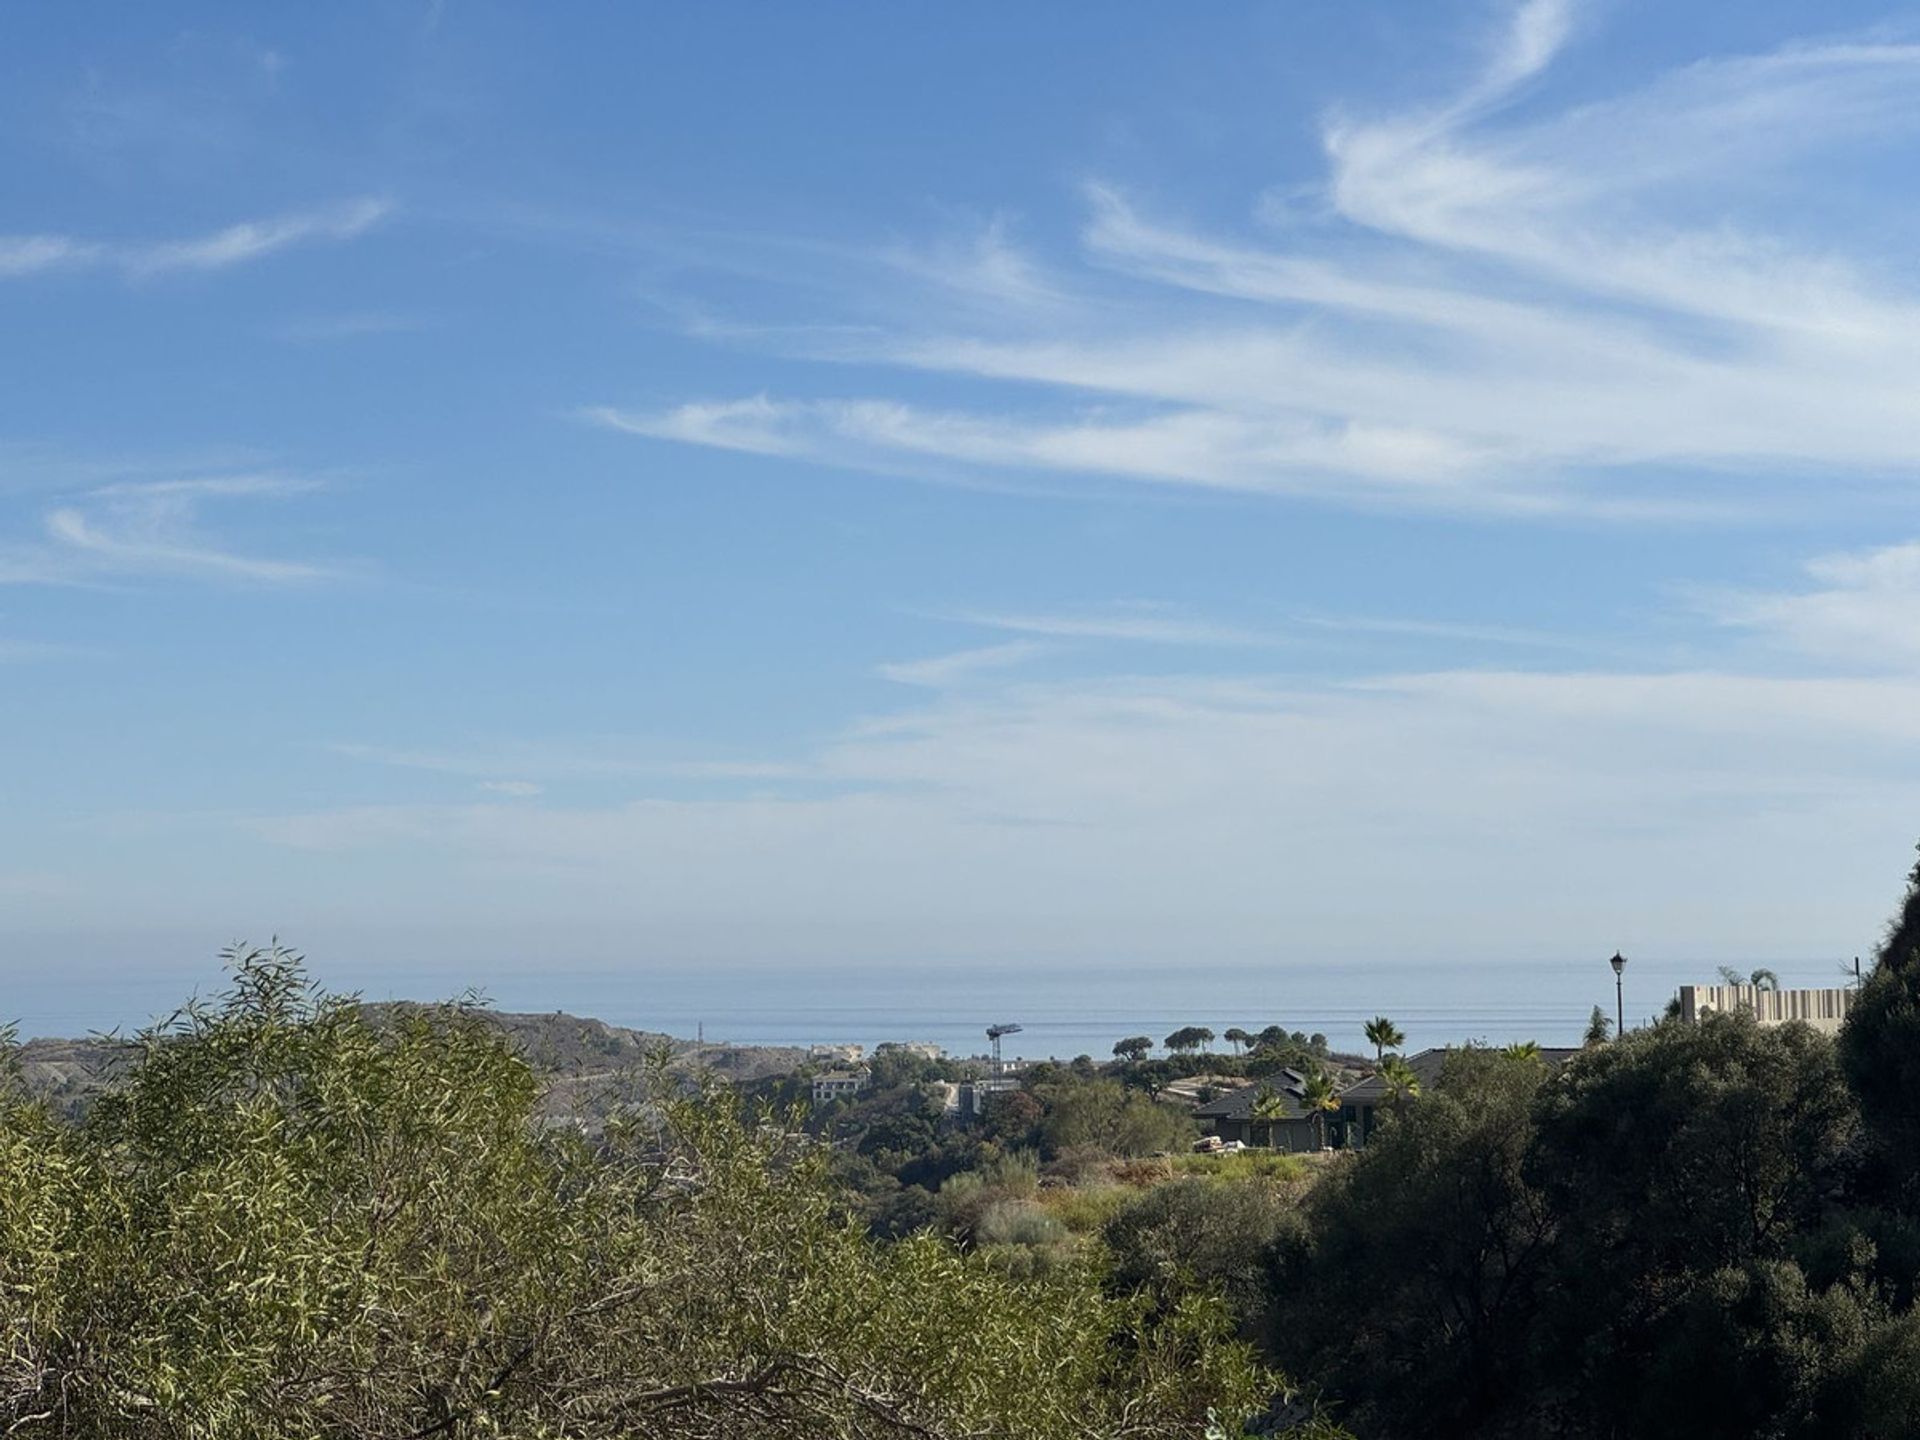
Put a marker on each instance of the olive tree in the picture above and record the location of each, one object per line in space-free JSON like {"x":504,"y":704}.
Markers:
{"x":296,"y":1219}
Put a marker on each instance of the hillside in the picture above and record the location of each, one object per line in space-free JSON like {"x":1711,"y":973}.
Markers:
{"x":585,"y":1061}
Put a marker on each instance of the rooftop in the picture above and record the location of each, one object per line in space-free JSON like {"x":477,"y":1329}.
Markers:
{"x":1238,"y":1104}
{"x":1427,"y":1067}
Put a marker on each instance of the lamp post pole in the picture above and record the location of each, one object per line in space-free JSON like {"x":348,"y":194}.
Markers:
{"x":1619,"y":963}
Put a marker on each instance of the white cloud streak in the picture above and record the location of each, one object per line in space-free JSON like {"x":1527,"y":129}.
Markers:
{"x":1150,"y":623}
{"x":1602,"y":309}
{"x":1485,"y":812}
{"x":239,"y":244}
{"x":1862,"y":610}
{"x":983,"y":267}
{"x":150,"y":530}
{"x":940,"y":672}
{"x":513,"y":789}
{"x":28,"y":254}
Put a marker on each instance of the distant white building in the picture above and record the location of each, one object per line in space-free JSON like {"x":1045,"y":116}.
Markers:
{"x":838,"y":1085}
{"x":1824,"y":1010}
{"x":925,"y":1049}
{"x":838,"y":1054}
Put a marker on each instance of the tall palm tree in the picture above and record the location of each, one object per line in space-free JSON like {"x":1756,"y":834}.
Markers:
{"x":1384,"y":1036}
{"x":1401,"y":1081}
{"x":1318,"y":1097}
{"x":1268,"y":1106}
{"x":1599,"y":1027}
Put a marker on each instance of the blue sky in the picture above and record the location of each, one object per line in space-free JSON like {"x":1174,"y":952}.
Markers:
{"x":673,"y":485}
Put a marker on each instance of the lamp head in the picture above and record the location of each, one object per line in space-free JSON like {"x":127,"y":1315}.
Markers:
{"x":1619,"y":962}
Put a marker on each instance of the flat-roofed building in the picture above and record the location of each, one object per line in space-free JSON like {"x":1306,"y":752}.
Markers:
{"x":1824,"y":1010}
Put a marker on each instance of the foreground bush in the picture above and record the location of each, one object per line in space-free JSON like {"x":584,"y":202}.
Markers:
{"x":1664,"y":1238}
{"x":294,"y":1222}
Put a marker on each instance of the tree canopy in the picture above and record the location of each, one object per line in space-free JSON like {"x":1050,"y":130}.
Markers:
{"x":1880,"y":1046}
{"x":1189,"y":1037}
{"x":1662,"y":1238}
{"x":1383,"y":1035}
{"x":294,"y":1221}
{"x":1599,"y":1027}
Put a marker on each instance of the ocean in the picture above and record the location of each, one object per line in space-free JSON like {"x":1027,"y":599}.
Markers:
{"x":1069,"y":1013}
{"x":1064,"y":1011}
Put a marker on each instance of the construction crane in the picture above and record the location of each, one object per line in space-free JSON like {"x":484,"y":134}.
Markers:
{"x":994,"y":1032}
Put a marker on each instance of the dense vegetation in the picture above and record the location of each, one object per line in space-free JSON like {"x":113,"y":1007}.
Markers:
{"x":295,"y":1218}
{"x":1046,"y":1163}
{"x":1699,"y":1231}
{"x":292,"y":1221}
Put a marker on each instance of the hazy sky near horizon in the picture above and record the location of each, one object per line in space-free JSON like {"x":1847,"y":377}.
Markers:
{"x":644,"y":485}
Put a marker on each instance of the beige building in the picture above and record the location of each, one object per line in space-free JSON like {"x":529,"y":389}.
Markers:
{"x":925,"y":1049}
{"x":838,"y":1085}
{"x":837,"y":1054}
{"x":1824,"y":1010}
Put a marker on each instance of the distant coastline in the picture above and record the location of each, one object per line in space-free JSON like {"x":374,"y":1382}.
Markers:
{"x":1065,"y":1010}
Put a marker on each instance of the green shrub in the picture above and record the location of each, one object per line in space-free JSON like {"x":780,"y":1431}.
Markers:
{"x":291,"y":1225}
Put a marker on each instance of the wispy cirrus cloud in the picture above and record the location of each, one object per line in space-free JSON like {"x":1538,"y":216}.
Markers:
{"x":1143,"y":621}
{"x":1601,"y":308}
{"x":1857,"y":610}
{"x":513,"y":789}
{"x":1203,"y":450}
{"x":982,"y":265}
{"x":26,"y":254}
{"x":1154,"y":623}
{"x":1147,"y":814}
{"x":150,"y":529}
{"x":238,"y":244}
{"x":1423,"y":628}
{"x":939,"y":672}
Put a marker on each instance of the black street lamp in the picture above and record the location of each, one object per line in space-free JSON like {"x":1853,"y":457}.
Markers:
{"x":1619,"y":963}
